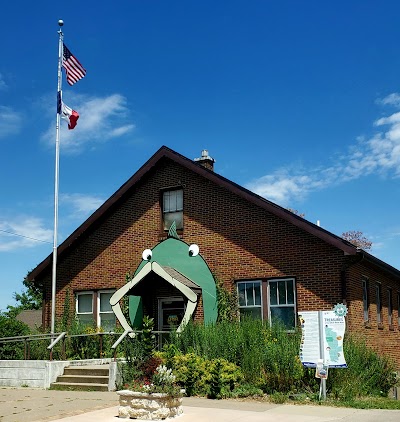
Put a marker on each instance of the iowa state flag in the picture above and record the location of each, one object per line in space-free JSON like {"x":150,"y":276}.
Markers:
{"x":66,"y":113}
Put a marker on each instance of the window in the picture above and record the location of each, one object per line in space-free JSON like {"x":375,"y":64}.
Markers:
{"x":398,"y":309}
{"x":106,"y":317}
{"x":277,"y":294}
{"x":390,"y":307}
{"x":84,"y":308}
{"x":173,"y":208}
{"x":281,"y":295}
{"x":249,"y":293}
{"x":365,"y":287}
{"x":378,"y":303}
{"x":93,"y":308}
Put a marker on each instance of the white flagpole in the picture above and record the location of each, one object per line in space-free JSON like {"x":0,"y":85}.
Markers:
{"x":57,"y":159}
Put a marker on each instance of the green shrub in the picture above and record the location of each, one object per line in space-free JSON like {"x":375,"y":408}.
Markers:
{"x":278,"y":397}
{"x":11,"y":327}
{"x":190,"y":372}
{"x":222,"y":378}
{"x":267,"y":357}
{"x":368,"y":374}
{"x":246,"y":390}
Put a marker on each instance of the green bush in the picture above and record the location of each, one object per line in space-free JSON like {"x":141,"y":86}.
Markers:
{"x":214,"y":378}
{"x":223,"y":377}
{"x":11,"y":327}
{"x":368,"y":374}
{"x":190,"y":372}
{"x":267,"y":357}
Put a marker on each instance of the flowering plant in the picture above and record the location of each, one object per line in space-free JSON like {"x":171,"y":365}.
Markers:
{"x":162,"y":381}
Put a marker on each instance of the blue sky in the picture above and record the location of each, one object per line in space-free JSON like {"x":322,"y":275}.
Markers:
{"x":297,"y":101}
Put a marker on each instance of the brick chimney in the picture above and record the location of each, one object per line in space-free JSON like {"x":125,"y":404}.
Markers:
{"x":205,"y":160}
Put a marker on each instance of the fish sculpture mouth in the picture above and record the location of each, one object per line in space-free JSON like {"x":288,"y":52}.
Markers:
{"x":166,"y":274}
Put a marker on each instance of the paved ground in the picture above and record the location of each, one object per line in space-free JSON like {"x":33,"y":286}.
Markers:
{"x":34,"y":405}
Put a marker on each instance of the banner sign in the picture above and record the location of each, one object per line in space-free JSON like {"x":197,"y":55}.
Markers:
{"x":322,"y":338}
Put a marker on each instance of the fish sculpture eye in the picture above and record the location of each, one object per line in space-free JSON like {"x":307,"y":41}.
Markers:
{"x":147,"y":254}
{"x":194,"y":250}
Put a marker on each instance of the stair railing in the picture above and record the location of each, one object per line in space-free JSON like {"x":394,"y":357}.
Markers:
{"x":54,"y":342}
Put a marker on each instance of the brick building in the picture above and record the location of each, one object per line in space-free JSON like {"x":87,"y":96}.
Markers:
{"x":278,"y":262}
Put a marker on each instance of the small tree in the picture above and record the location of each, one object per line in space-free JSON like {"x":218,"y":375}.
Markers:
{"x":11,"y":327}
{"x":30,"y":298}
{"x":358,"y":239}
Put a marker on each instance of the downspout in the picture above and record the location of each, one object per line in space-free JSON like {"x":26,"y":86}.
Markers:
{"x":343,"y":273}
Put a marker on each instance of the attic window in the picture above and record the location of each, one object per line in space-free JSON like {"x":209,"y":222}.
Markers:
{"x":173,"y":208}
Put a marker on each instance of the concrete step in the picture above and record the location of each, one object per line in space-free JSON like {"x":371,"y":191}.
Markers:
{"x":86,"y":378}
{"x":78,"y":386}
{"x":87,"y":370}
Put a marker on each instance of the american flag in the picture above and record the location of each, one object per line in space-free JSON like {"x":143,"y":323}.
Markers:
{"x":73,"y":68}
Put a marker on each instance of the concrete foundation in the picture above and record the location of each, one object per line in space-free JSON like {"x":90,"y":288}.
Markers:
{"x":41,"y":373}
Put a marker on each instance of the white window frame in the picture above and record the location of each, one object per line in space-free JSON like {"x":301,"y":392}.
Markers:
{"x":170,"y":208}
{"x":95,"y":295}
{"x":99,"y":312}
{"x":282,"y":305}
{"x":247,"y":306}
{"x":83,"y":293}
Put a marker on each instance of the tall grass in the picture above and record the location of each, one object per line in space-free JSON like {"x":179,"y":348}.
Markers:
{"x":368,"y":374}
{"x":268,"y":357}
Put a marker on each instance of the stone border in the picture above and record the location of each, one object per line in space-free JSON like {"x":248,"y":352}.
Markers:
{"x":148,"y":406}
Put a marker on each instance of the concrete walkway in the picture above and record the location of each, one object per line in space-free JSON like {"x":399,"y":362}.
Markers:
{"x":23,"y":404}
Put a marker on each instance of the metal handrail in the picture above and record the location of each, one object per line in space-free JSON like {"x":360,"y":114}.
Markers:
{"x":64,"y":335}
{"x":61,"y":336}
{"x":29,"y":337}
{"x":121,"y":337}
{"x":50,"y":347}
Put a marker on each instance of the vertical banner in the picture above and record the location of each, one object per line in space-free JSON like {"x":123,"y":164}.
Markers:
{"x":334,"y":327}
{"x":310,"y":351}
{"x":322,"y":338}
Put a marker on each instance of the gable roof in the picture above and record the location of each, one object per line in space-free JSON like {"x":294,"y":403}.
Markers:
{"x":165,"y":152}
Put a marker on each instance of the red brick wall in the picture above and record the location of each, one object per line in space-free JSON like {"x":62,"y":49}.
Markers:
{"x":237,"y":239}
{"x":384,"y":338}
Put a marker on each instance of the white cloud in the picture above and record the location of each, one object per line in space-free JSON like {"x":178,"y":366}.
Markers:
{"x":100,"y":120}
{"x":23,"y":232}
{"x":379,"y":154}
{"x":391,"y":99}
{"x":10,"y":121}
{"x":82,"y":205}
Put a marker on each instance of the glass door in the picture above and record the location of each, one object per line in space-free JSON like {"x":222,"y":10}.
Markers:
{"x":170,"y":312}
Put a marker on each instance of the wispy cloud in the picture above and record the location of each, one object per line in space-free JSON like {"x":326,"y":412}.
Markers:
{"x":379,"y":154}
{"x":81,"y":205}
{"x":23,"y":232}
{"x":391,"y":99}
{"x":10,"y":121}
{"x":100,"y":120}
